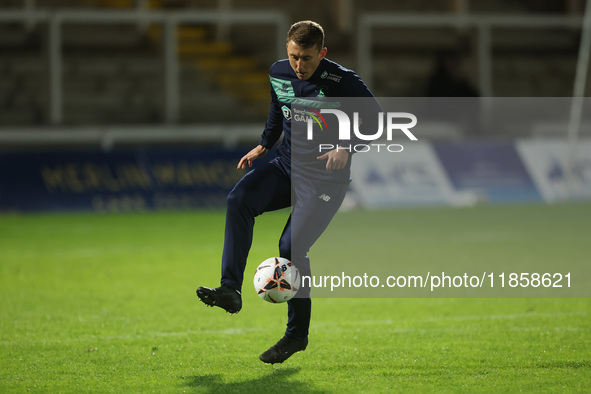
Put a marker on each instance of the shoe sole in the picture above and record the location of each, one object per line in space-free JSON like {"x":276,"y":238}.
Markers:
{"x":205,"y":297}
{"x":281,"y":362}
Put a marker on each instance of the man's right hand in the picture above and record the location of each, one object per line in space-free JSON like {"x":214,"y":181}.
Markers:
{"x":254,"y":154}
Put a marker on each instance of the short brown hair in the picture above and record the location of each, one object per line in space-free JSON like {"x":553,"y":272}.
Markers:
{"x":306,"y":34}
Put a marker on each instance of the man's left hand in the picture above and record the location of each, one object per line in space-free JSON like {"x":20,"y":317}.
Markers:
{"x":336,"y":159}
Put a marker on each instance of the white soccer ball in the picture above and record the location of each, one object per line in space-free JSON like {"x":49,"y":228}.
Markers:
{"x":277,"y":280}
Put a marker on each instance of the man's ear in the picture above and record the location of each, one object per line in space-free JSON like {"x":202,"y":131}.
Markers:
{"x":323,"y":52}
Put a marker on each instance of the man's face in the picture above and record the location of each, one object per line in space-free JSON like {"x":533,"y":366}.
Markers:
{"x":304,"y":61}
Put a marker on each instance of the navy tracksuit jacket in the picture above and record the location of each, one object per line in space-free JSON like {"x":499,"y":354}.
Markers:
{"x":292,"y":179}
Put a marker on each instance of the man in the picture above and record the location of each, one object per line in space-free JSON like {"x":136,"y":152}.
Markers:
{"x":315,"y":192}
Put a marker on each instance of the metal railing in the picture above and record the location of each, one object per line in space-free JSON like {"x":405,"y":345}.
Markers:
{"x":170,"y":20}
{"x":483,"y":24}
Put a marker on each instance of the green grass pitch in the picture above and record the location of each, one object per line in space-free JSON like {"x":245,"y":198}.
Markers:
{"x":106,"y":303}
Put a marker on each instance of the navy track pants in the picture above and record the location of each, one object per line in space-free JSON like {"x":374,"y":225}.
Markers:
{"x":268,"y":188}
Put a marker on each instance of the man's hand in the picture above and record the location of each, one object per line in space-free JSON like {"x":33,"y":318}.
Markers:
{"x":336,"y":159}
{"x":254,"y":154}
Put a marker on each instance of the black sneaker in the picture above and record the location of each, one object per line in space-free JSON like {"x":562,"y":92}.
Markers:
{"x":225,"y":297}
{"x":283,"y":349}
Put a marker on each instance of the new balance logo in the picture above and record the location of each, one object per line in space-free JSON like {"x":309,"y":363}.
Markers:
{"x":324,"y":197}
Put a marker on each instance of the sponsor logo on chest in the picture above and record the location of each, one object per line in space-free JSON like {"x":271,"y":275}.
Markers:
{"x":330,"y":76}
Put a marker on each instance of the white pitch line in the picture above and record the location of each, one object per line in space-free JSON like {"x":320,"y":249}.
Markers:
{"x":92,"y":340}
{"x":468,"y":317}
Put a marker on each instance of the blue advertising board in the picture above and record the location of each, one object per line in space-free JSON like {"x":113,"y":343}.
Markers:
{"x":128,"y":180}
{"x":494,"y":170}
